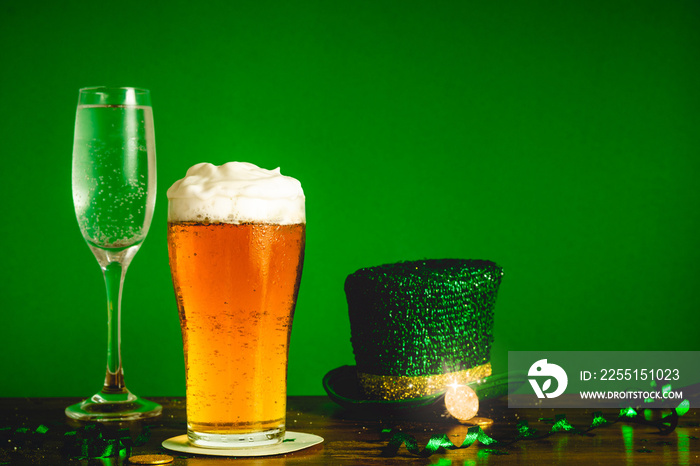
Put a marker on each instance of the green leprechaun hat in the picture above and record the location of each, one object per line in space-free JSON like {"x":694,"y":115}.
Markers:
{"x":416,"y":327}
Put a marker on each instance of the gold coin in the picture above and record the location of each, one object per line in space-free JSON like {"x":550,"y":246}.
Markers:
{"x":478,"y":421}
{"x":151,"y":459}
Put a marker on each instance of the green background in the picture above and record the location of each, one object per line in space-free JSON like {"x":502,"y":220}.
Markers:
{"x":558,"y":139}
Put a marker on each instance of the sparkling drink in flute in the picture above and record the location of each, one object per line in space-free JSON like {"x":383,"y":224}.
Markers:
{"x":112,"y":173}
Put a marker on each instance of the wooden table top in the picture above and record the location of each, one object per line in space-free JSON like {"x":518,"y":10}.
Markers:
{"x":36,"y":431}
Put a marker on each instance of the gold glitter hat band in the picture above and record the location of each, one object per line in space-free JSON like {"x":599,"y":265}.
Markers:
{"x":342,"y":387}
{"x":388,"y":387}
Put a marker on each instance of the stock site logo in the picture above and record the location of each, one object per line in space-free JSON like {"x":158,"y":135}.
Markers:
{"x":541,"y":369}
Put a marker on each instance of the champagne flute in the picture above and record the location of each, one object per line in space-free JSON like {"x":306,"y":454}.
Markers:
{"x":114,"y":192}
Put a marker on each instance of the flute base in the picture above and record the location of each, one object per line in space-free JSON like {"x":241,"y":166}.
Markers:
{"x":107,"y":407}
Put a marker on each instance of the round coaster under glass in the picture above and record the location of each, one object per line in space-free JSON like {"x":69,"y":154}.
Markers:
{"x":293,"y":441}
{"x":227,"y":441}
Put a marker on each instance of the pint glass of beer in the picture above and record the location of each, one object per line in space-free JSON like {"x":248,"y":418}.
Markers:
{"x":236,"y":236}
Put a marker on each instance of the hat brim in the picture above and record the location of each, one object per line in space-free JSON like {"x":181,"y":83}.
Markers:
{"x":342,"y":387}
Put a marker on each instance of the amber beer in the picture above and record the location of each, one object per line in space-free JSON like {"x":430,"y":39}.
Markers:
{"x":236,"y":287}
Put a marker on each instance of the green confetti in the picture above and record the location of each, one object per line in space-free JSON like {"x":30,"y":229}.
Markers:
{"x":683,"y":408}
{"x":474,"y":434}
{"x":562,"y":424}
{"x":480,"y":436}
{"x":598,"y":419}
{"x":143,"y":437}
{"x":42,"y":429}
{"x":107,"y":451}
{"x":524,"y":431}
{"x":95,"y":441}
{"x":496,"y":452}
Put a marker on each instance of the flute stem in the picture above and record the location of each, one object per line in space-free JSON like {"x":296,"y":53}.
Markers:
{"x":114,"y":281}
{"x":114,"y":264}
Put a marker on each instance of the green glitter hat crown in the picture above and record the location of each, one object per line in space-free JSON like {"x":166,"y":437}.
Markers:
{"x":424,"y":318}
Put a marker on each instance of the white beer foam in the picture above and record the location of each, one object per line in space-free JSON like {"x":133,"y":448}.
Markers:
{"x":236,"y":192}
